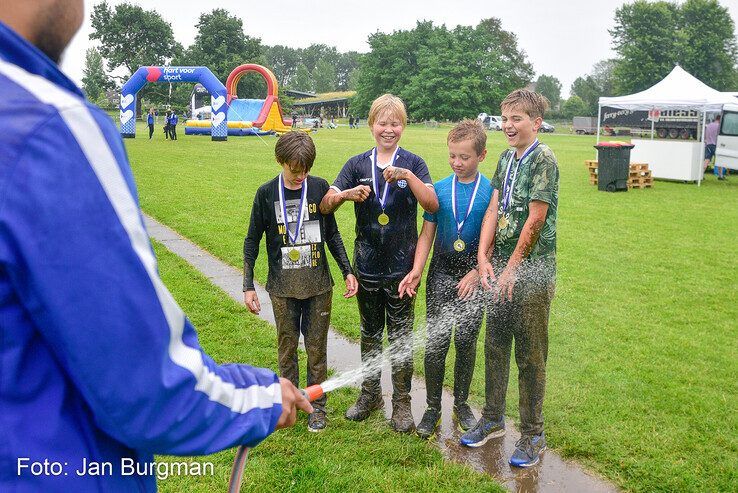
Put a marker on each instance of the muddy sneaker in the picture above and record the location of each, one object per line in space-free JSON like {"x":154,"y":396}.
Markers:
{"x":528,"y":450}
{"x":484,"y":430}
{"x":428,"y":425}
{"x":464,"y":417}
{"x":402,"y":417}
{"x":365,"y":404}
{"x":317,"y":421}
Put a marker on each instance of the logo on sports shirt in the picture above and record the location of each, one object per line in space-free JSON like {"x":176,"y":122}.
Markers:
{"x":402,"y":183}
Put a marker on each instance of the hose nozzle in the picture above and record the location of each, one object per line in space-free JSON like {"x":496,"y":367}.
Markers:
{"x":313,"y":392}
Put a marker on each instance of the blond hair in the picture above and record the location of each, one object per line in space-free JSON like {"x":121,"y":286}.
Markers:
{"x":388,"y":103}
{"x":532,"y":103}
{"x":472,"y":130}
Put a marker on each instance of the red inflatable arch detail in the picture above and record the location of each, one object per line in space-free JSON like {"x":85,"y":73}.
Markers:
{"x":238,"y":72}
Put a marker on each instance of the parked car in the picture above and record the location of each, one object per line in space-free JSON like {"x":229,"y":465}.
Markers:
{"x":490,"y":121}
{"x":547,"y":128}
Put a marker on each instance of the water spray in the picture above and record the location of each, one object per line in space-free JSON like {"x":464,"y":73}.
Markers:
{"x":397,"y":352}
{"x":239,"y":462}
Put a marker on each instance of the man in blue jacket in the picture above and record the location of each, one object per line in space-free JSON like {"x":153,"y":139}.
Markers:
{"x":97,"y":361}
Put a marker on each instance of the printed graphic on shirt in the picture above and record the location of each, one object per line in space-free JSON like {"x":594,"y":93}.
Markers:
{"x":292,"y":260}
{"x":304,"y":252}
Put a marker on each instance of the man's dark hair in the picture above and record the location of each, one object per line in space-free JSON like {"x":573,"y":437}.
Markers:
{"x":295,"y":149}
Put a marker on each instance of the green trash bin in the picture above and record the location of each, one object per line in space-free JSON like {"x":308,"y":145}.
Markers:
{"x":613,"y":166}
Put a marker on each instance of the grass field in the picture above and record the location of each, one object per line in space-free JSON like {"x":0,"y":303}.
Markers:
{"x":643,"y":347}
{"x":345,"y":455}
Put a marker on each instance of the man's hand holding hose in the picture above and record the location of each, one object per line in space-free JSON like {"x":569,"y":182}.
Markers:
{"x":292,"y":400}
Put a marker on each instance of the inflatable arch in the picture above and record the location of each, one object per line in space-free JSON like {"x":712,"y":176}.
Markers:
{"x":218,"y":101}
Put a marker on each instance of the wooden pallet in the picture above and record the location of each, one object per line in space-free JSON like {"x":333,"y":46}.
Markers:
{"x":639,"y":175}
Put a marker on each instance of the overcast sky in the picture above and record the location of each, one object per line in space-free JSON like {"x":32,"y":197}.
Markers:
{"x":563,"y":38}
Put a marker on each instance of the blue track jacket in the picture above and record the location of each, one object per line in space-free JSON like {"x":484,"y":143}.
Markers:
{"x":97,"y":360}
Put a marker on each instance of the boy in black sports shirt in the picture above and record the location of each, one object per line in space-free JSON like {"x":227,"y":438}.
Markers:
{"x":386,"y":234}
{"x":299,"y":280}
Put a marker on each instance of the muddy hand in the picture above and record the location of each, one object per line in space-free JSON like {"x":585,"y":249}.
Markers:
{"x":357,"y":194}
{"x":252,"y":301}
{"x":352,"y":286}
{"x":409,"y":284}
{"x":468,"y":285}
{"x":392,"y":174}
{"x":486,"y":275}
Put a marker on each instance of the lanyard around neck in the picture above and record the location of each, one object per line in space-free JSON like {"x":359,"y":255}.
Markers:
{"x":508,"y":186}
{"x":283,"y":206}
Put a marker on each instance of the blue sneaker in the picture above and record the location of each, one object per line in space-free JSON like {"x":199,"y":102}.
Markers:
{"x":528,"y":450}
{"x":484,"y":430}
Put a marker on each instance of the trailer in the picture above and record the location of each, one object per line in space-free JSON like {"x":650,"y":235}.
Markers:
{"x":585,"y":125}
{"x":672,"y":124}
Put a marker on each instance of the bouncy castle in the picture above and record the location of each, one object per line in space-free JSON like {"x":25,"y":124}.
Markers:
{"x":248,"y":116}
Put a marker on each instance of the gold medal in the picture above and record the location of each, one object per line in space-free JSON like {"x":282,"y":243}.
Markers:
{"x":294,"y":255}
{"x":503,"y":222}
{"x":459,"y":245}
{"x":383,"y":219}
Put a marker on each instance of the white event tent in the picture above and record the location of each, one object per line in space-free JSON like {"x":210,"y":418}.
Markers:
{"x":677,"y":91}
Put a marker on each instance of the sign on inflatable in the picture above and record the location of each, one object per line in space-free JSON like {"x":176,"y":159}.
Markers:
{"x":203,"y":75}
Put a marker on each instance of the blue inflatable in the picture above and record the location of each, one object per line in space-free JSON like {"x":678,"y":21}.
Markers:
{"x":203,"y":75}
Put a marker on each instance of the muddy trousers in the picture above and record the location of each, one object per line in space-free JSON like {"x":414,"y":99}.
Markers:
{"x":446,"y":312}
{"x":310,"y":317}
{"x":524,"y":319}
{"x":380,"y":303}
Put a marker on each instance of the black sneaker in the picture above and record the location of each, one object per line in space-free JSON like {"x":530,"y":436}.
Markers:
{"x":429,"y":424}
{"x":464,"y":417}
{"x":528,"y":450}
{"x":484,"y":430}
{"x":317,"y":421}
{"x":365,"y":404}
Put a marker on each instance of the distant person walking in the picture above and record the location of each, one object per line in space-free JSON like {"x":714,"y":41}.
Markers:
{"x":166,"y":124}
{"x":711,"y":132}
{"x":173,"y":120}
{"x":351,"y":121}
{"x":150,"y":122}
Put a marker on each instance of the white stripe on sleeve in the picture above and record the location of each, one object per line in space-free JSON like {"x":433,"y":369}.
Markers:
{"x":90,"y":138}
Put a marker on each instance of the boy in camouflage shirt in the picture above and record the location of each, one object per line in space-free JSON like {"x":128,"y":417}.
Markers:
{"x":517,"y":261}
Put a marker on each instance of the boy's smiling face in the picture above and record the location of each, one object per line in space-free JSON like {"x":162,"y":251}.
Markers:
{"x":387,"y":130}
{"x":464,"y":160}
{"x":520,"y":129}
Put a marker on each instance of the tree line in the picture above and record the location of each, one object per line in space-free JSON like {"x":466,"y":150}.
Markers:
{"x":649,"y":39}
{"x":442,"y":73}
{"x":129,"y":37}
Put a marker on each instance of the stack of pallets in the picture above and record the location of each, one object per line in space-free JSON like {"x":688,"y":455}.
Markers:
{"x":639,"y":176}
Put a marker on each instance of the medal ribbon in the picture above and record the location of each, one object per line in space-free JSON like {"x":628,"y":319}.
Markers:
{"x":507,"y":186}
{"x":383,"y":198}
{"x":283,"y":206}
{"x":460,"y":224}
